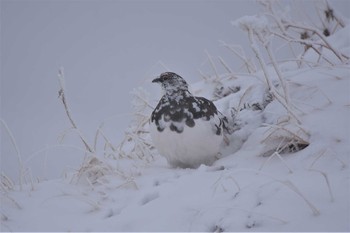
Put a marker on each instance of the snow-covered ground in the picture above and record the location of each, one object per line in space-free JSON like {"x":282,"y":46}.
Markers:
{"x":275,"y":174}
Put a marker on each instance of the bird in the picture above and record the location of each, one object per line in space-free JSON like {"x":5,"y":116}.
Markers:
{"x":187,"y":130}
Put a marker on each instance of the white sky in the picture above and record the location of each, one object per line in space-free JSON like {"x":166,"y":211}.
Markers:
{"x":107,"y":48}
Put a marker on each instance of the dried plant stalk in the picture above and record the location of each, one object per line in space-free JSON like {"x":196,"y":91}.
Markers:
{"x":62,"y":96}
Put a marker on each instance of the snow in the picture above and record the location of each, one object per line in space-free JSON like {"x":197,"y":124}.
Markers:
{"x":306,"y":191}
{"x":250,"y":188}
{"x":255,"y":22}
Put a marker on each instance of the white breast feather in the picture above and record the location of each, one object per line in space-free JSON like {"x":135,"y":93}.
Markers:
{"x":190,"y":148}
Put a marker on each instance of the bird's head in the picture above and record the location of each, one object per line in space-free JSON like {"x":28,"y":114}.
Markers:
{"x":171,"y":83}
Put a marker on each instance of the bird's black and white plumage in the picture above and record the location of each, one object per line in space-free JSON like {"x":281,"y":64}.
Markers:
{"x":185,"y":129}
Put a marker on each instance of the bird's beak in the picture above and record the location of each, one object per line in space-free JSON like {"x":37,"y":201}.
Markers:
{"x":156,"y":80}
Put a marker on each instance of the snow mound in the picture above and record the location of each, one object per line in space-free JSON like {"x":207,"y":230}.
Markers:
{"x":275,"y":173}
{"x":302,"y":191}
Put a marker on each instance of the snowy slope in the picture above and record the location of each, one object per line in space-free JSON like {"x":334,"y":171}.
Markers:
{"x":307,"y":191}
{"x":250,"y":188}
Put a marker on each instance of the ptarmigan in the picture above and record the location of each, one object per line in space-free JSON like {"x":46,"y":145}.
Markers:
{"x":185,"y":129}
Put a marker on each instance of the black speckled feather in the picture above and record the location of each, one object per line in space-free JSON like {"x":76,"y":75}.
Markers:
{"x":178,"y":107}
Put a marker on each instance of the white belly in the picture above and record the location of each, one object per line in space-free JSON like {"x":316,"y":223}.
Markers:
{"x":190,"y":148}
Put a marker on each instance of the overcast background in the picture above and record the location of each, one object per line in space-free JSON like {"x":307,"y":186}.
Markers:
{"x":107,"y":48}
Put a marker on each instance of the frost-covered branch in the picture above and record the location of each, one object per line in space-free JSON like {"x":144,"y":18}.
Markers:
{"x":257,"y":28}
{"x":309,"y":44}
{"x":239,"y":52}
{"x":19,"y":157}
{"x":273,"y":60}
{"x":322,"y":37}
{"x":212,"y":64}
{"x":310,"y":36}
{"x":136,"y":142}
{"x":62,"y":96}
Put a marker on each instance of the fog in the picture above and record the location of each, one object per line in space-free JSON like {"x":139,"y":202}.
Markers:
{"x":107,"y":48}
